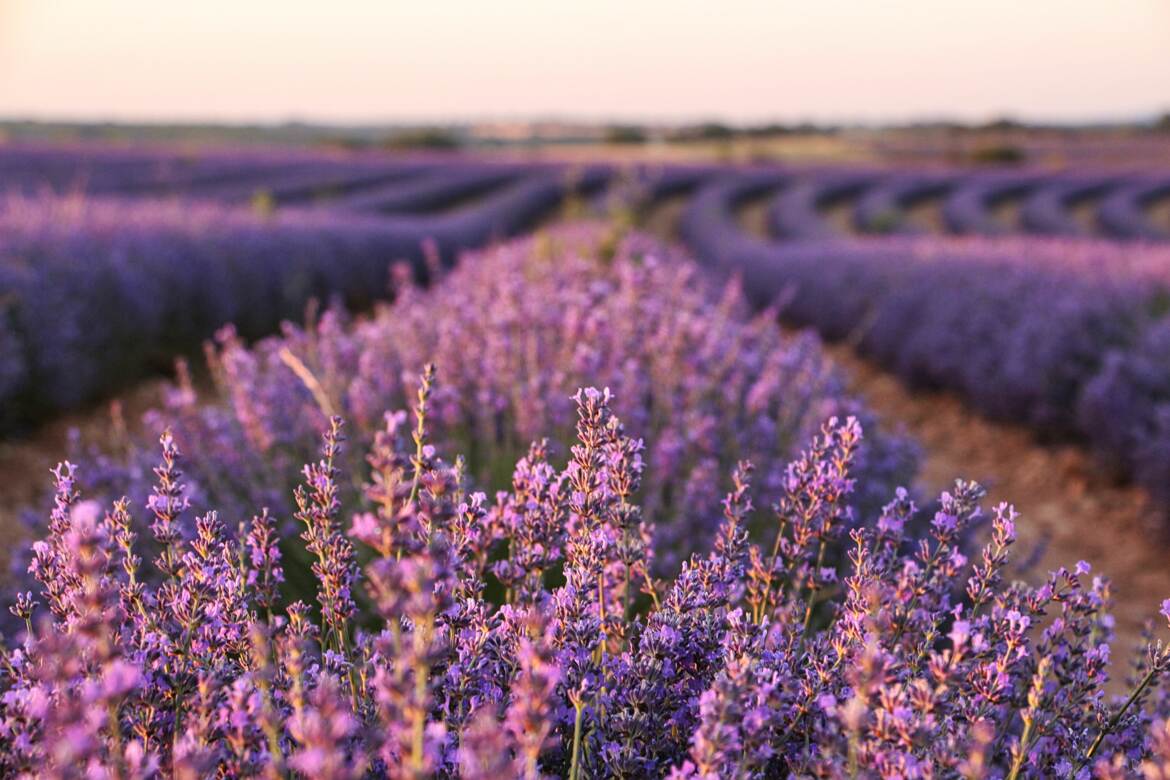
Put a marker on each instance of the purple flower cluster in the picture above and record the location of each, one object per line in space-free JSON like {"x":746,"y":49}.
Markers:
{"x":513,"y":331}
{"x":528,"y":636}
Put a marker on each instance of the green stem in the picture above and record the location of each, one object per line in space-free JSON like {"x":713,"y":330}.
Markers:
{"x":812,"y":591}
{"x":270,"y":732}
{"x":1112,"y":724}
{"x":421,"y":674}
{"x":424,"y":393}
{"x":1018,"y":761}
{"x":772,"y":570}
{"x":115,"y":725}
{"x":574,"y":769}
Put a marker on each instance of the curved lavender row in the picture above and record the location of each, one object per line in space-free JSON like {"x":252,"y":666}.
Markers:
{"x":227,"y":187}
{"x":968,"y":208}
{"x":1036,"y":331}
{"x":709,"y":226}
{"x":505,"y":212}
{"x":31,"y":170}
{"x":341,"y":184}
{"x":432,"y":191}
{"x":36,"y":169}
{"x":795,"y":211}
{"x":1047,"y":210}
{"x":643,"y":186}
{"x":95,"y":292}
{"x":678,"y":179}
{"x":1123,"y":211}
{"x":881,"y":209}
{"x":304,"y":183}
{"x":237,"y":178}
{"x":286,"y":176}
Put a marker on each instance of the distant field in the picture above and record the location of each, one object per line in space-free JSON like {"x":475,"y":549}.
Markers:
{"x":1036,"y":291}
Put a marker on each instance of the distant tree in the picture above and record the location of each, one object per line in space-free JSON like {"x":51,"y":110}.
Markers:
{"x":423,"y":138}
{"x":1163,"y":123}
{"x":624,"y":134}
{"x":707,"y":131}
{"x":1003,"y":124}
{"x":998,"y":154}
{"x":768,"y":130}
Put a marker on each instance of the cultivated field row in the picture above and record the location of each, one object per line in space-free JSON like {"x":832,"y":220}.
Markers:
{"x":1009,"y":288}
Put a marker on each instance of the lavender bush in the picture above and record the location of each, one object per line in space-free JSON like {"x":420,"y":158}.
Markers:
{"x":755,"y":660}
{"x":795,"y":212}
{"x":513,"y":330}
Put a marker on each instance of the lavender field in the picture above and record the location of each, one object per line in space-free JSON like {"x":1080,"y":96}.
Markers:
{"x":492,"y":466}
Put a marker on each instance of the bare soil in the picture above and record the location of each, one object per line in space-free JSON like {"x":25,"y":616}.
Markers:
{"x":1160,"y":212}
{"x":752,"y":214}
{"x":663,"y":217}
{"x":927,"y":214}
{"x":1007,"y":212}
{"x":25,"y":463}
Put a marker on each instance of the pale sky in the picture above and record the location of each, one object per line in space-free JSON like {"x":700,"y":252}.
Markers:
{"x":739,"y":60}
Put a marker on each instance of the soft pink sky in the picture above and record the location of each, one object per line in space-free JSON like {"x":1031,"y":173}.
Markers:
{"x":387,"y":60}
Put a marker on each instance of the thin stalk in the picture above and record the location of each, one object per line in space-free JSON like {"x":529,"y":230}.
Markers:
{"x":1018,"y":761}
{"x":115,"y":725}
{"x":812,"y":591}
{"x":421,"y":674}
{"x":424,"y":394}
{"x":772,"y":569}
{"x":574,"y":768}
{"x":1116,"y":719}
{"x":315,"y":388}
{"x":270,"y":732}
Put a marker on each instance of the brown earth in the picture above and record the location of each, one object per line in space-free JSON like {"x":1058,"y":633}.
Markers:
{"x":25,"y":462}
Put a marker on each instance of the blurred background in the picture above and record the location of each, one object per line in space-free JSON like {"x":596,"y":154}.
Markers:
{"x":778,"y":78}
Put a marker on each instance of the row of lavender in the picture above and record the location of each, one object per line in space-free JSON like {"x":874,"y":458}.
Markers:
{"x":1106,"y":205}
{"x":97,"y":288}
{"x":94,"y":291}
{"x":1069,"y":336}
{"x":424,"y":630}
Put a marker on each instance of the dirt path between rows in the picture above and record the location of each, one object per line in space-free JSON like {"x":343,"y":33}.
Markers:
{"x":1064,"y":502}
